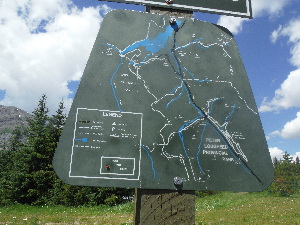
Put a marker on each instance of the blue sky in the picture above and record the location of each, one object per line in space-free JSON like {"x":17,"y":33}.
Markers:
{"x":46,"y":44}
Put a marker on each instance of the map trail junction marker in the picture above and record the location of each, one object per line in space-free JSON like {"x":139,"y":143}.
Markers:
{"x":164,"y":103}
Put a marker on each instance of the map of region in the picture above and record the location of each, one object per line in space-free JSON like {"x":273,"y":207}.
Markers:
{"x":163,"y":100}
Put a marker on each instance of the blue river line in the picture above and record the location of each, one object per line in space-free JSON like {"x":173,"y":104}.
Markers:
{"x":211,"y":106}
{"x":113,"y":86}
{"x":177,"y":63}
{"x":229,"y":115}
{"x":152,"y":161}
{"x":173,"y":100}
{"x":175,"y":89}
{"x":181,"y":129}
{"x":199,"y":148}
{"x":156,"y":44}
{"x":153,"y":46}
{"x":193,"y":76}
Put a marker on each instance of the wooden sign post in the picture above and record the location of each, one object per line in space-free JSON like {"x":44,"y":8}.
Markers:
{"x":164,"y":207}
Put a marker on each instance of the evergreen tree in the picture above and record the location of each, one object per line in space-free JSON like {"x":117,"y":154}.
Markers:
{"x":35,"y":177}
{"x":13,"y":165}
{"x":58,"y":122}
{"x":26,"y":172}
{"x":297,"y":161}
{"x":31,"y":175}
{"x":275,"y":161}
{"x":38,"y":136}
{"x":287,"y":158}
{"x":286,"y":180}
{"x":43,"y":136}
{"x":5,"y":168}
{"x":16,"y":139}
{"x":15,"y":179}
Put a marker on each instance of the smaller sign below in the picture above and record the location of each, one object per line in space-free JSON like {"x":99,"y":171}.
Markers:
{"x":239,"y":8}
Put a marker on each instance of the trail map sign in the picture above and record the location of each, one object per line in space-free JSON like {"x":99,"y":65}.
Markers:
{"x":164,"y":106}
{"x":240,"y":8}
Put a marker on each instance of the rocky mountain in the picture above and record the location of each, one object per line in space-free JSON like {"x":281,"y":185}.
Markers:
{"x":11,"y":117}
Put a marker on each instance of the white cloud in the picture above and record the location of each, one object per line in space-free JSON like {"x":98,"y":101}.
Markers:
{"x":44,"y":45}
{"x":292,"y":32}
{"x":275,"y":34}
{"x":265,"y":7}
{"x":287,"y":95}
{"x":259,"y":8}
{"x":275,"y":133}
{"x":291,"y":130}
{"x":233,"y":24}
{"x":276,"y":152}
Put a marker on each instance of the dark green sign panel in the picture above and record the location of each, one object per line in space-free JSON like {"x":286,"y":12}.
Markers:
{"x":164,"y":106}
{"x":240,"y":8}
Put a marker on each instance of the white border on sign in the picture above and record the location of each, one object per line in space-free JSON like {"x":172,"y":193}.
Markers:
{"x":189,"y":7}
{"x":119,"y":174}
{"x":103,"y":177}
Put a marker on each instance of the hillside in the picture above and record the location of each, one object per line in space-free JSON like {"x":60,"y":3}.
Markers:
{"x":11,"y":117}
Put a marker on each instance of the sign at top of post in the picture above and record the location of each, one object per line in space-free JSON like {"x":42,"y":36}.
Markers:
{"x":239,"y":8}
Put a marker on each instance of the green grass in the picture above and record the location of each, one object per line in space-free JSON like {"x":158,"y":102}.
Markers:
{"x":222,"y":208}
{"x":24,"y":214}
{"x":244,"y":208}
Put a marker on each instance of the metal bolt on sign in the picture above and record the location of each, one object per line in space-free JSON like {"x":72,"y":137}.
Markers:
{"x":178,"y":181}
{"x":172,"y":21}
{"x":169,"y":2}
